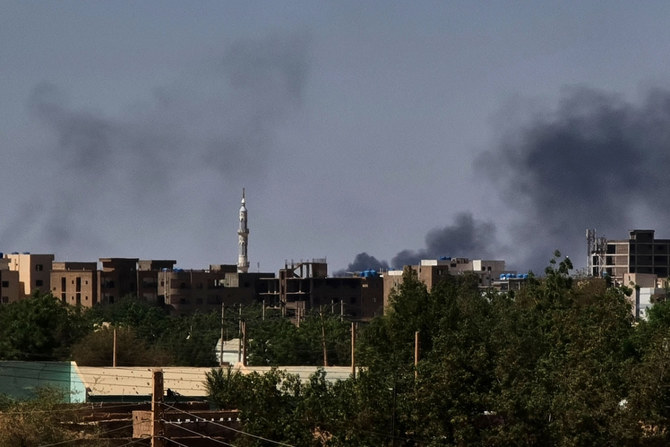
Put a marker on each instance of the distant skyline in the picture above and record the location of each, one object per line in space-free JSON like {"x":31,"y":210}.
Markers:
{"x":379,"y":131}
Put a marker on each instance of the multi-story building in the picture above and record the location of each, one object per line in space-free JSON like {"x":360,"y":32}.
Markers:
{"x":305,"y":286}
{"x":34,"y":271}
{"x":118,"y":279}
{"x":432,"y":271}
{"x":147,"y":278}
{"x":10,"y":287}
{"x":75,"y":283}
{"x":647,"y":289}
{"x":186,"y":291}
{"x":640,"y":253}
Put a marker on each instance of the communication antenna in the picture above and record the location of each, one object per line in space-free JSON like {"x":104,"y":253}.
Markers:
{"x":596,"y":251}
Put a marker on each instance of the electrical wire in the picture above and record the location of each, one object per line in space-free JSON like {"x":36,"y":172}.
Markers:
{"x":112,"y":379}
{"x":142,"y":440}
{"x":172,"y":441}
{"x":229,"y":428}
{"x":197,"y":433}
{"x":82,"y":408}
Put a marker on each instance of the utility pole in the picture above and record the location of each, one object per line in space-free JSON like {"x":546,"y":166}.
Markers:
{"x":353,"y":350}
{"x":323,"y":338}
{"x":157,"y":425}
{"x":244,"y":343}
{"x":416,"y":355}
{"x":223,"y":325}
{"x":239,"y":335}
{"x":263,"y":314}
{"x":114,"y":350}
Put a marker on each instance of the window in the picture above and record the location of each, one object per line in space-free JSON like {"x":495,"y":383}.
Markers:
{"x":5,"y":299}
{"x":39,"y":267}
{"x":39,"y":282}
{"x":5,"y":284}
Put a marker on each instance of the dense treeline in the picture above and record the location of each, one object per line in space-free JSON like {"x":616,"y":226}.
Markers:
{"x":43,"y":328}
{"x":561,"y":362}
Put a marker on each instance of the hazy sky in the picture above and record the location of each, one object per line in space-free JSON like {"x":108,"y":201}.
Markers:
{"x":375,"y":131}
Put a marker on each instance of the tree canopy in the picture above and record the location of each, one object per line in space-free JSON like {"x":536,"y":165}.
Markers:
{"x":560,"y":362}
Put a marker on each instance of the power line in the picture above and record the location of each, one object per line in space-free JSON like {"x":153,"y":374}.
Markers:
{"x":172,"y":441}
{"x":135,"y":442}
{"x":197,"y":433}
{"x":229,"y":428}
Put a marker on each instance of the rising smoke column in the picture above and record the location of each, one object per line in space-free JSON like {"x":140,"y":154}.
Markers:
{"x":466,"y":237}
{"x":363,"y":261}
{"x":596,"y":161}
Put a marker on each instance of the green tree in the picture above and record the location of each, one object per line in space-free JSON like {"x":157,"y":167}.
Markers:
{"x":39,"y":328}
{"x":97,"y":349}
{"x":560,"y":362}
{"x":267,"y":402}
{"x":35,"y":422}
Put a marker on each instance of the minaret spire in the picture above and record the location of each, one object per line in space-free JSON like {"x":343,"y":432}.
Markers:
{"x":243,"y":238}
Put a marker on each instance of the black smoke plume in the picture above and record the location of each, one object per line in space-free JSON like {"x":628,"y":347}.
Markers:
{"x":363,"y":261}
{"x":466,"y":237}
{"x":596,"y":161}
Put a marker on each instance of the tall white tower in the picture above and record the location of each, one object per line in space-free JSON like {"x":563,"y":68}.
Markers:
{"x":243,"y":239}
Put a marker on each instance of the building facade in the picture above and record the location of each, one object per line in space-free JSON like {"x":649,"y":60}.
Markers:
{"x":305,"y":287}
{"x":187,"y":291}
{"x":75,"y":283}
{"x":432,"y":271}
{"x":34,"y":272}
{"x":10,"y":287}
{"x":640,"y":253}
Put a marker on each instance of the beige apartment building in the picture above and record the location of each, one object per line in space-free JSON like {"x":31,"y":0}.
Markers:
{"x":185,"y":291}
{"x":75,"y":283}
{"x":640,"y":253}
{"x":34,"y":272}
{"x":432,"y":271}
{"x":10,"y":287}
{"x":82,"y":284}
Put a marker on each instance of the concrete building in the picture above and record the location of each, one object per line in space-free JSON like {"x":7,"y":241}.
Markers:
{"x":640,"y":253}
{"x":147,"y":278}
{"x":186,"y":291}
{"x":75,"y":283}
{"x":10,"y":287}
{"x":432,"y":271}
{"x":34,"y":272}
{"x":118,"y":279}
{"x":305,"y":287}
{"x":647,"y":290}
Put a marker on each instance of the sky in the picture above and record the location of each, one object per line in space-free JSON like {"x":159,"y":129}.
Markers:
{"x":372,"y":134}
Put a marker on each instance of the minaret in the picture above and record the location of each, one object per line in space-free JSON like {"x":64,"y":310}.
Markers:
{"x":243,"y":239}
